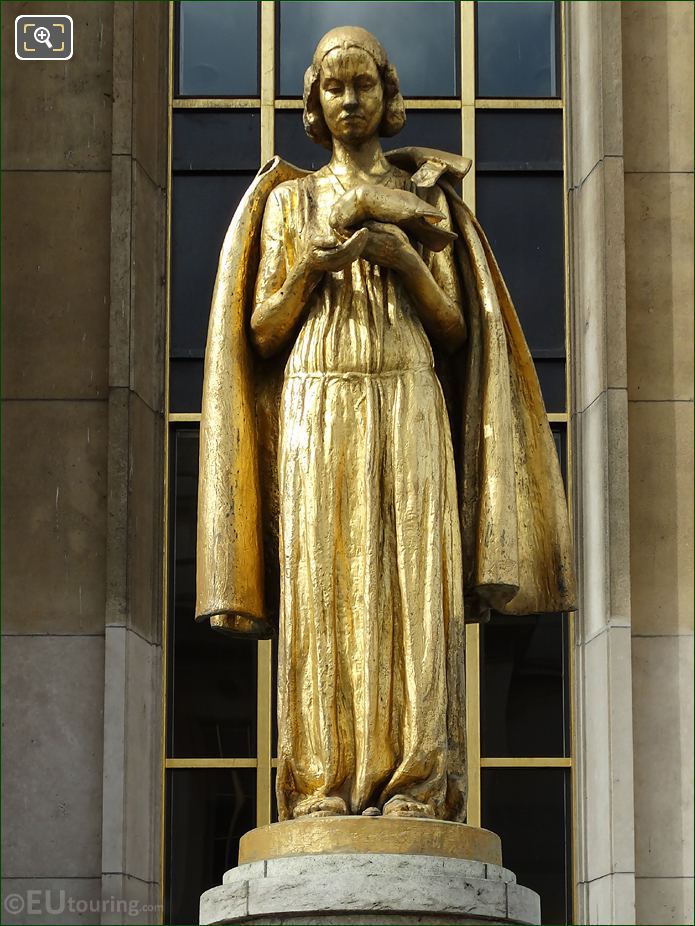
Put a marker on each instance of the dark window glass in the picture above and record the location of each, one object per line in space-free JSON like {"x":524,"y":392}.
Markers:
{"x":212,"y":708}
{"x":215,"y":156}
{"x":530,"y":809}
{"x":294,"y":145}
{"x":208,"y":139}
{"x":209,"y":810}
{"x":431,"y":128}
{"x":522,"y":217}
{"x":185,"y":384}
{"x":518,"y":140}
{"x":203,"y":205}
{"x":523,"y":686}
{"x":560,"y":438}
{"x":518,"y":49}
{"x":551,"y":375}
{"x":217,"y":48}
{"x":421,"y":39}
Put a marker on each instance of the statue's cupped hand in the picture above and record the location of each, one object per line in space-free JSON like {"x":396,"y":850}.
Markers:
{"x":387,"y":245}
{"x":378,"y":242}
{"x":328,"y":255}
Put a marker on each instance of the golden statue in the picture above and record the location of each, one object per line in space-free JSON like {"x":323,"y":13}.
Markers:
{"x":375,"y":458}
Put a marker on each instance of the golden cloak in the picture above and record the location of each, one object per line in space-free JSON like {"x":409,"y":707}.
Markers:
{"x":516,"y":543}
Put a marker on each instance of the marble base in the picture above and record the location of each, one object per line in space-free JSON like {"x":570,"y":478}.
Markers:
{"x":369,"y":888}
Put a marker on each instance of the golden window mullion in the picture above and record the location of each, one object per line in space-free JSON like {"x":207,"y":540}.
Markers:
{"x":264,"y":694}
{"x":165,"y":513}
{"x":467,"y":52}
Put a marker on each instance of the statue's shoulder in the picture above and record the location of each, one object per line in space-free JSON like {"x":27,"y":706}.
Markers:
{"x":274,"y":174}
{"x":309,"y":183}
{"x":286,"y":188}
{"x":277,"y":171}
{"x":281,"y":180}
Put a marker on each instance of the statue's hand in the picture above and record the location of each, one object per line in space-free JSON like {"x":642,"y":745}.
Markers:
{"x":387,"y":245}
{"x":330,"y":255}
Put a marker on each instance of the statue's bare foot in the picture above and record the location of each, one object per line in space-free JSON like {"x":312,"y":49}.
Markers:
{"x":400,"y":805}
{"x":325,"y":806}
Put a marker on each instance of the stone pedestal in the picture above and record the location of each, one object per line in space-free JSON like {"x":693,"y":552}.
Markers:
{"x":369,"y":871}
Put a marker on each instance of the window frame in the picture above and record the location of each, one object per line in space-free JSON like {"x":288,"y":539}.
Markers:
{"x":267,"y":103}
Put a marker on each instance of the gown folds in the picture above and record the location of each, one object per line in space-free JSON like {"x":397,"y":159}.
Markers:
{"x":361,"y":494}
{"x":371,"y":583}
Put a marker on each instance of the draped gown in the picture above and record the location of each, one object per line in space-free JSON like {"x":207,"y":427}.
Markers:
{"x":371,"y":647}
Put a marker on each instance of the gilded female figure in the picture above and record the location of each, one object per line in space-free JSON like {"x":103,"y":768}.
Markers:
{"x":370,"y":551}
{"x":361,"y":286}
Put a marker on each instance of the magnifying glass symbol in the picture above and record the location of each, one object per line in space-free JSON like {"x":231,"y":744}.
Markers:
{"x":43,"y":36}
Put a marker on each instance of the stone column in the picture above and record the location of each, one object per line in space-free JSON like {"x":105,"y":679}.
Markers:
{"x":603,"y":691}
{"x":133,"y":697}
{"x":658,"y":131}
{"x":84,"y":163}
{"x":56,"y":190}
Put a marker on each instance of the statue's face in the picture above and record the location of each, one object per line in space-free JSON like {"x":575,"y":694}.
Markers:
{"x":351,"y":94}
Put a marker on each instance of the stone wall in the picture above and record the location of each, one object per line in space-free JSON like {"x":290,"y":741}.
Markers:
{"x":630,"y":195}
{"x":84,"y":167}
{"x":657,"y":57}
{"x":604,"y":862}
{"x":57,"y":189}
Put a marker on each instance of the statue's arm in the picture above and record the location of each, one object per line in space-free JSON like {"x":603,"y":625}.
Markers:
{"x":432,"y":280}
{"x":439,"y":310}
{"x":282,"y":293}
{"x":443,"y":266}
{"x":274,"y":318}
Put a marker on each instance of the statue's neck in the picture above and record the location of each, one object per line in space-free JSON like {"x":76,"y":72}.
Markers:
{"x":352,"y":160}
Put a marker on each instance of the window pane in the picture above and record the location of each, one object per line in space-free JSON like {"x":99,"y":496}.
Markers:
{"x":207,"y":139}
{"x":560,"y":437}
{"x":438,"y":128}
{"x":218,"y":48}
{"x":523,"y":686}
{"x":209,"y":810}
{"x":518,"y":140}
{"x":421,"y":39}
{"x":517,"y":49}
{"x":203,"y":206}
{"x":522,"y":217}
{"x":212,"y":685}
{"x":294,"y":145}
{"x":185,"y":384}
{"x":431,"y":128}
{"x":530,"y":809}
{"x":551,"y":375}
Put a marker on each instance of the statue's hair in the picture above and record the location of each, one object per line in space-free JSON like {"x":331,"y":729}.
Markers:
{"x":394,"y":108}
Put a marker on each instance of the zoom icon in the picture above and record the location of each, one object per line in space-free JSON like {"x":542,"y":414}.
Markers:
{"x":43,"y":38}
